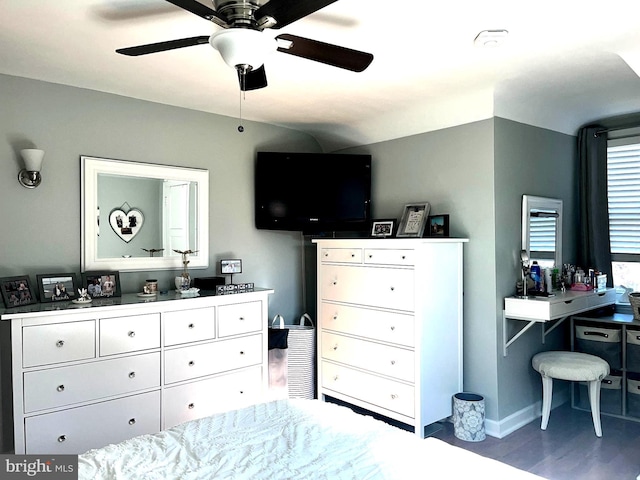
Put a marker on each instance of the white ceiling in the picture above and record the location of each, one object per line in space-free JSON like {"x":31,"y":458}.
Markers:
{"x":564,"y":63}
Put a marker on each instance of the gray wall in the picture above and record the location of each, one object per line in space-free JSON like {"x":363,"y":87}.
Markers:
{"x":478,"y":173}
{"x":68,"y":122}
{"x":475,"y":172}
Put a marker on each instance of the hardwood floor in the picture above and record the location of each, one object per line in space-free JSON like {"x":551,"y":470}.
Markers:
{"x":567,"y":450}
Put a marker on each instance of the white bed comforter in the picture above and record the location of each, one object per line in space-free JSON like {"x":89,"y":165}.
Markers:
{"x":288,"y":439}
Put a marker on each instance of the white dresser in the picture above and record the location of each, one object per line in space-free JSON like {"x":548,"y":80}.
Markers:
{"x":390,"y":325}
{"x":85,"y":376}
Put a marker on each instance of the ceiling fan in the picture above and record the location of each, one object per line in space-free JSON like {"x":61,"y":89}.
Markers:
{"x":244,"y":47}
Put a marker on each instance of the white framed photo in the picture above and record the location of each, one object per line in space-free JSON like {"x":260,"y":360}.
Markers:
{"x":414,"y":220}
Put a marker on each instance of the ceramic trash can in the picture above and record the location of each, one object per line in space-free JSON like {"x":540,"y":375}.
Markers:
{"x":468,"y":417}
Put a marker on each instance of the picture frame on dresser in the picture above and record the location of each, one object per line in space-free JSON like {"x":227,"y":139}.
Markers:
{"x":56,"y":287}
{"x":414,"y":220}
{"x":17,"y":291}
{"x":438,"y":226}
{"x":383,"y":228}
{"x":102,"y":284}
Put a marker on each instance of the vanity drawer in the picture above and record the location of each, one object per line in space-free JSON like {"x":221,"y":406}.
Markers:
{"x":385,"y":256}
{"x":56,"y":387}
{"x":378,"y":391}
{"x":398,"y":328}
{"x":341,"y":255}
{"x":184,"y":326}
{"x":206,"y":397}
{"x":129,"y":334}
{"x":186,"y":363}
{"x":239,"y":318}
{"x":383,"y":359}
{"x":600,"y":299}
{"x":62,"y":342}
{"x":77,"y":430}
{"x":374,"y":286}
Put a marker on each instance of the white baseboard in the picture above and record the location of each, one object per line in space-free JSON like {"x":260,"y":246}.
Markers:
{"x":504,"y":427}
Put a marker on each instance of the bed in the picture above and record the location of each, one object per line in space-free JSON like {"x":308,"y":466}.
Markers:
{"x":288,"y":439}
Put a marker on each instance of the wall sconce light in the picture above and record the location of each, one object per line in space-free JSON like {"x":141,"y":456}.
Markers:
{"x":29,"y":176}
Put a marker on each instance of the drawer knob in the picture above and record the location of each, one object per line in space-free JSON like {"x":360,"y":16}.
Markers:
{"x":191,"y":363}
{"x":393,"y":328}
{"x":335,"y":317}
{"x":393,"y":288}
{"x":393,"y":396}
{"x":132,"y":334}
{"x":241,"y":352}
{"x":326,"y":254}
{"x":335,"y":347}
{"x":60,"y":388}
{"x":335,"y":378}
{"x":191,"y":406}
{"x":370,"y":256}
{"x":132,"y":421}
{"x":241,"y":392}
{"x":241,"y":319}
{"x":353,"y":255}
{"x":191,"y":325}
{"x":62,"y":438}
{"x":132,"y":374}
{"x":403,"y":257}
{"x":335,"y":282}
{"x":393,"y":362}
{"x":60,"y":343}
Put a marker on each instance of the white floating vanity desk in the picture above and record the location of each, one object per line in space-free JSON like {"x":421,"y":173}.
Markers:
{"x":555,"y":309}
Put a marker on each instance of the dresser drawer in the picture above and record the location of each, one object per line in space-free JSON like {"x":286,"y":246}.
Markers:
{"x":195,"y":361}
{"x":341,"y":255}
{"x":382,"y":392}
{"x":184,"y":326}
{"x":373,"y":286}
{"x":239,"y":318}
{"x":56,"y":387}
{"x":129,"y":334}
{"x":398,"y":328}
{"x":77,"y":430}
{"x":206,"y":397}
{"x":383,"y":359}
{"x":62,"y":342}
{"x":382,"y":256}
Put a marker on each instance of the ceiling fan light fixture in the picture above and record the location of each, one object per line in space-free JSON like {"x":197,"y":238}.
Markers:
{"x":241,"y":46}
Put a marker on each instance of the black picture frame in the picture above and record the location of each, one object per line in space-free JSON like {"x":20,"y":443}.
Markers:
{"x":438,"y":226}
{"x":414,"y":220}
{"x":230,"y":266}
{"x":17,"y":291}
{"x":383,"y":228}
{"x":102,"y":284}
{"x":56,"y":287}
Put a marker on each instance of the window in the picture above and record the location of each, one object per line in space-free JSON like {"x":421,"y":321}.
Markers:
{"x":623,"y":184}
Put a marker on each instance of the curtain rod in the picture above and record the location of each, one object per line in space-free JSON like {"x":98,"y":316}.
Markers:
{"x":613,"y":129}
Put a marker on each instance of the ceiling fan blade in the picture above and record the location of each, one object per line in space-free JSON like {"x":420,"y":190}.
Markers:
{"x":201,"y":10}
{"x":162,"y":46}
{"x":334,"y":55}
{"x":285,"y":12}
{"x":252,"y":80}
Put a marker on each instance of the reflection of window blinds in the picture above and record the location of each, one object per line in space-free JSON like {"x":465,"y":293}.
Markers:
{"x":542,"y":234}
{"x":623,"y":183}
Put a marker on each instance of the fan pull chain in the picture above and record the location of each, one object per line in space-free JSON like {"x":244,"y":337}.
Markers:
{"x":242,"y":97}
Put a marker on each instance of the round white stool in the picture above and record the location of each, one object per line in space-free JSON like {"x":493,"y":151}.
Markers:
{"x":575,"y":367}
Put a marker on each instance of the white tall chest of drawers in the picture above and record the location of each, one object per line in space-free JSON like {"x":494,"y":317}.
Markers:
{"x":390,"y":325}
{"x":87,"y":376}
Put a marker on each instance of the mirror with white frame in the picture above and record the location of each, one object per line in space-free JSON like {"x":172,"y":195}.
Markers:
{"x":542,"y":230}
{"x":135,"y":215}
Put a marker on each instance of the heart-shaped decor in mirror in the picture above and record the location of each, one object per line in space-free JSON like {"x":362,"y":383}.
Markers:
{"x":126,"y":224}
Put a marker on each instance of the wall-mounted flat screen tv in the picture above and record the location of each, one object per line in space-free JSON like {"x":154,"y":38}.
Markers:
{"x":312,"y":192}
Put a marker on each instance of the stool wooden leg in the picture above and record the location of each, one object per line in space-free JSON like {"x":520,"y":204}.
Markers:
{"x":594,"y":399}
{"x":547,"y":393}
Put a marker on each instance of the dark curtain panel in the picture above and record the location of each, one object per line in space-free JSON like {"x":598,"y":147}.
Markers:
{"x":593,"y":249}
